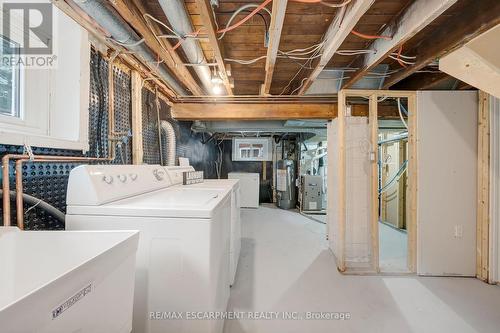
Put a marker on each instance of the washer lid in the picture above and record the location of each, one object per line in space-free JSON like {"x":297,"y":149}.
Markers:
{"x":170,"y":202}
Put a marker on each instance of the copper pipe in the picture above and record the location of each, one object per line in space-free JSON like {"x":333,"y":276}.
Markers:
{"x":37,"y":158}
{"x":19,"y":180}
{"x":51,"y":158}
{"x":19,"y":194}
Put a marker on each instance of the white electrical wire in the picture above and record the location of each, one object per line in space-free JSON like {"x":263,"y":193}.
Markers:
{"x":239,"y":10}
{"x":336,"y":5}
{"x":140,"y":41}
{"x":149,"y":16}
{"x":400,"y":113}
{"x":245,"y":62}
{"x":401,"y":60}
{"x":403,"y":56}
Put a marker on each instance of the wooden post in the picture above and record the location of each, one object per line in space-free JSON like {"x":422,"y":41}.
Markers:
{"x":136,"y":96}
{"x":483,"y":172}
{"x":411,"y":224}
{"x":342,"y":182}
{"x":373,"y":121}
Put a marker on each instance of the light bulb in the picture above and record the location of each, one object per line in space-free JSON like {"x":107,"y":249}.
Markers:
{"x":216,"y":89}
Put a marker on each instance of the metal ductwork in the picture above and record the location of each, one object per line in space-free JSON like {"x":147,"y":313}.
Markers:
{"x":169,"y":149}
{"x":179,"y":20}
{"x":120,"y":31}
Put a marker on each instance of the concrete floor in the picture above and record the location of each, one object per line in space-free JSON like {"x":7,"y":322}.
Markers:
{"x":285,"y":266}
{"x":393,"y":246}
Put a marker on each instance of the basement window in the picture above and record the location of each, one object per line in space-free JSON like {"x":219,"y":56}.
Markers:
{"x":46,"y":106}
{"x":9,"y":83}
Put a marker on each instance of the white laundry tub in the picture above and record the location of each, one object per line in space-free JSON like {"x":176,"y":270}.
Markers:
{"x":66,"y":281}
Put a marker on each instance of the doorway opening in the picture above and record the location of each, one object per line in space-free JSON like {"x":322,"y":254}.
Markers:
{"x":392,"y":188}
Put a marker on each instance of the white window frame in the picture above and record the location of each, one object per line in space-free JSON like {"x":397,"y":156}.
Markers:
{"x":53,"y":108}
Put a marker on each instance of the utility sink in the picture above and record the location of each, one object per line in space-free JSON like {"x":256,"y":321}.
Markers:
{"x":66,"y":281}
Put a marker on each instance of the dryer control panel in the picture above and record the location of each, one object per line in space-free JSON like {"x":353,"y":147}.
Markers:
{"x":176,"y":173}
{"x":93,"y":185}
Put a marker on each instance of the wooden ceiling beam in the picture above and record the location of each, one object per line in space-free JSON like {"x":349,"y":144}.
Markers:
{"x":343,"y":23}
{"x":208,"y":20}
{"x":474,"y":19}
{"x":132,"y":11}
{"x":126,"y":60}
{"x":270,"y":111}
{"x":277,"y":19}
{"x":413,"y":19}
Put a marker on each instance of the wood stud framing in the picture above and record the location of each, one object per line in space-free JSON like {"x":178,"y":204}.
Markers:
{"x":483,"y":189}
{"x":136,"y":98}
{"x":373,"y":95}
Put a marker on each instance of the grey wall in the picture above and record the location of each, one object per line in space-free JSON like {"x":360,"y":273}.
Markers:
{"x":447,"y":177}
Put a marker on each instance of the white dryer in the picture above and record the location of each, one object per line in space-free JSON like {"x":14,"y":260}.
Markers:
{"x":229,"y":185}
{"x":183,"y":254}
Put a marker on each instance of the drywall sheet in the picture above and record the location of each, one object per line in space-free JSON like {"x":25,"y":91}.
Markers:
{"x":447,"y":178}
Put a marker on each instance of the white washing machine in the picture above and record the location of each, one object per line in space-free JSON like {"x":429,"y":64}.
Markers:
{"x":183,"y":254}
{"x":229,"y":185}
{"x":250,"y":188}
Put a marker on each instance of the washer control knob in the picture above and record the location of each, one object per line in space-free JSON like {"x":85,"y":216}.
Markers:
{"x":122,"y":178}
{"x":159,"y":174}
{"x":133,"y":176}
{"x":107,"y":179}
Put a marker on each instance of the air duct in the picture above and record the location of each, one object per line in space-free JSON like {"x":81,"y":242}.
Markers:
{"x":178,"y":18}
{"x":120,"y":31}
{"x":168,"y":133}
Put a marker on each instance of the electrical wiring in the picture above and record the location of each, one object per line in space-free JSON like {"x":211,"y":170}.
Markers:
{"x":306,"y":63}
{"x":401,"y":114}
{"x":401,"y":60}
{"x":335,"y":5}
{"x":149,"y":16}
{"x":246,"y":18}
{"x":266,"y":25}
{"x":364,"y":36}
{"x":403,"y":56}
{"x":354,"y":52}
{"x":246,"y":62}
{"x":140,"y":41}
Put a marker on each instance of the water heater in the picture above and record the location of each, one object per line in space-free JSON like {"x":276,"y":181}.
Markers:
{"x":285,"y":184}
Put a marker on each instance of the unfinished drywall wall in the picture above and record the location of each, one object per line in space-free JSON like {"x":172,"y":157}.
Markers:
{"x":447,"y":178}
{"x":357,"y":249}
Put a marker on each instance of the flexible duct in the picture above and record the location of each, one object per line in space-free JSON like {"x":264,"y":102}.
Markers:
{"x":120,"y":31}
{"x":178,"y":18}
{"x":168,"y":134}
{"x":53,"y":211}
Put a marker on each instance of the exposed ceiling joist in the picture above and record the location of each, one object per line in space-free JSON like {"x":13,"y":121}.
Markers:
{"x":475,"y":18}
{"x":414,"y":18}
{"x":131,"y":13}
{"x":339,"y":29}
{"x":277,"y":19}
{"x":208,"y":19}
